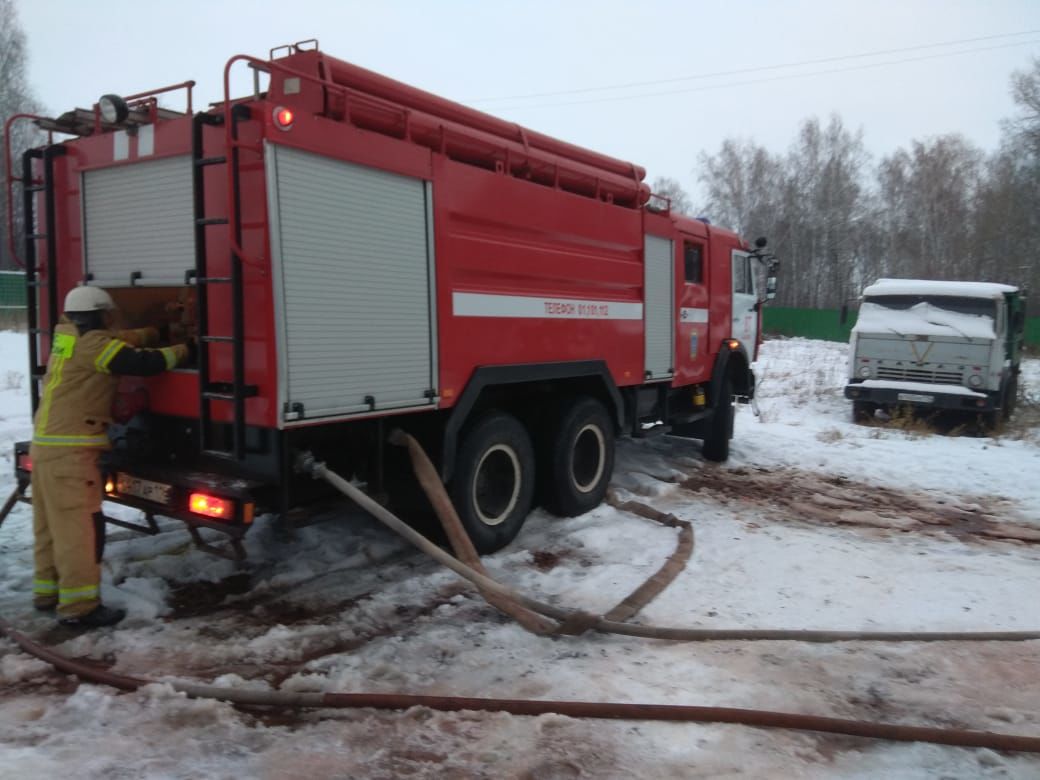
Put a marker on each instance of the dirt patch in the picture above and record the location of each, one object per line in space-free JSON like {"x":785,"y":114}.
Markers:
{"x":545,"y":560}
{"x":201,"y":598}
{"x":803,"y":496}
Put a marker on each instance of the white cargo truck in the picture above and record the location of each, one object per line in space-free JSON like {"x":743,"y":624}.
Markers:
{"x":936,"y":345}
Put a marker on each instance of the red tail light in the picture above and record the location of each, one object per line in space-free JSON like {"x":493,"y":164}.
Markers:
{"x":211,"y":506}
{"x":283,"y":117}
{"x":24,"y":462}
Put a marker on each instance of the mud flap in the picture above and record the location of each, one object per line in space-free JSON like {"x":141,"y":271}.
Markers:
{"x":99,"y":536}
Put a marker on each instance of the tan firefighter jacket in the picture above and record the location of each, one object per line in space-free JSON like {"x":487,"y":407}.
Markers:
{"x":79,"y":387}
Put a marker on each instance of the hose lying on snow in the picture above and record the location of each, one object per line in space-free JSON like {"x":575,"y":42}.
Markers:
{"x":576,"y":709}
{"x":582,"y":620}
{"x":430,"y":482}
{"x":573,"y":709}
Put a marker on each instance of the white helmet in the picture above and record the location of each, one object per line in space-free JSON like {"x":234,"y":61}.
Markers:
{"x":84,"y":299}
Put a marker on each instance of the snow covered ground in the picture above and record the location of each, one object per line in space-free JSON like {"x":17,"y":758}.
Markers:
{"x":813,"y":523}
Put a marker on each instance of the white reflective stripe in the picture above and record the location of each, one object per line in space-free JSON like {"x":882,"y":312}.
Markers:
{"x":693,"y":315}
{"x":120,"y":145}
{"x":532,"y":307}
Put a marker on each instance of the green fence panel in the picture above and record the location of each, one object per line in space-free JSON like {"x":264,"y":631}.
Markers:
{"x":12,"y":290}
{"x":1033,"y":331}
{"x":825,"y":324}
{"x":808,"y":323}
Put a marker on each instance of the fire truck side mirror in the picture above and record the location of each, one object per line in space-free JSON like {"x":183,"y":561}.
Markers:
{"x":761,"y":242}
{"x":770,"y":287}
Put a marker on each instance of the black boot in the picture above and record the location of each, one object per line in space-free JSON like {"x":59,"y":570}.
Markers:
{"x":98,"y":617}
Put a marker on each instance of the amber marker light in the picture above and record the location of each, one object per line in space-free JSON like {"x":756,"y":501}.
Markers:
{"x":110,"y":487}
{"x":210,"y":506}
{"x":733,"y":344}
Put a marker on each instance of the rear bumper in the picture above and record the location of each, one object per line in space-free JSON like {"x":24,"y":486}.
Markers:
{"x":166,"y":490}
{"x":922,"y":396}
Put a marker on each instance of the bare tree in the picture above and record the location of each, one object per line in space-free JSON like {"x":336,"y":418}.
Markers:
{"x":671,"y":189}
{"x":929,"y":202}
{"x":1008,"y":221}
{"x":825,"y":208}
{"x":15,"y":97}
{"x":1025,"y":90}
{"x":742,"y":183}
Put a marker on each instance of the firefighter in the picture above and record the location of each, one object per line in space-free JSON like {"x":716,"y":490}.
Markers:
{"x":69,"y":438}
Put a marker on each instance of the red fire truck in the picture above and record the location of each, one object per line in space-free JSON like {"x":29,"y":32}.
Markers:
{"x":355,"y":255}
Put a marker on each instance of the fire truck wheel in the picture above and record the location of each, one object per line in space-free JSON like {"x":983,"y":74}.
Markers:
{"x":720,"y":426}
{"x":580,"y":458}
{"x":493,"y":487}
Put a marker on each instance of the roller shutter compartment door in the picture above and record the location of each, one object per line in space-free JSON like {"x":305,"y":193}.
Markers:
{"x":352,"y":274}
{"x":659,"y":323}
{"x":138,"y":221}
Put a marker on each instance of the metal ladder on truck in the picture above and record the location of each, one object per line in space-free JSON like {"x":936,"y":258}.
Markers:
{"x":236,"y":391}
{"x":30,"y":187}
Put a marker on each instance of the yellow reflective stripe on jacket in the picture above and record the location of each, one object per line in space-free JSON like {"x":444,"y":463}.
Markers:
{"x":170,"y":357}
{"x":45,"y":587}
{"x":58,"y":356}
{"x":107,"y":354}
{"x":64,"y":345}
{"x":75,"y":595}
{"x":86,"y":440}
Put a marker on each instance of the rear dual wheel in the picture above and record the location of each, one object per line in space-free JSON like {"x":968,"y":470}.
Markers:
{"x":494,"y":481}
{"x":493,"y":486}
{"x":579,"y":457}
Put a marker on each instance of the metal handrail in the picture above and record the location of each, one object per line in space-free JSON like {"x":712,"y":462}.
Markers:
{"x":11,"y":179}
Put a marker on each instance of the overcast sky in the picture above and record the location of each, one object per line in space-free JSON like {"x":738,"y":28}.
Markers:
{"x":703,"y":70}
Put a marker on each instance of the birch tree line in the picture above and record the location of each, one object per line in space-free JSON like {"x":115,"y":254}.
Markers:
{"x":15,"y":98}
{"x":938,"y":209}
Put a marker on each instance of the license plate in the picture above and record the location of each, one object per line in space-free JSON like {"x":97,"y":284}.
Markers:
{"x":915,"y":398}
{"x":143,"y":488}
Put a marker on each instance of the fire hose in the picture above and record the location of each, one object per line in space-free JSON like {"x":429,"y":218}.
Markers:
{"x":529,"y":612}
{"x":573,"y":709}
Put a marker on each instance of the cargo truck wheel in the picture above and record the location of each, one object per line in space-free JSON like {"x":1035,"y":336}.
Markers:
{"x":862,"y":411}
{"x":493,"y":487}
{"x":580,"y":459}
{"x":1010,"y":397}
{"x":720,"y":426}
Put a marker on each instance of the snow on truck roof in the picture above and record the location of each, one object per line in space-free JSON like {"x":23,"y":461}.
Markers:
{"x":932,"y":287}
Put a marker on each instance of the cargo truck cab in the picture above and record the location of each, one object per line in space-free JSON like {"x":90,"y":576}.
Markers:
{"x":937,"y":345}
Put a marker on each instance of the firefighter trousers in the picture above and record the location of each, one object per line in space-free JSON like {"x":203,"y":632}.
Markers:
{"x":68,"y":528}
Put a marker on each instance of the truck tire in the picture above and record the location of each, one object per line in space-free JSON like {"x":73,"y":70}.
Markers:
{"x":580,"y":458}
{"x":720,"y":426}
{"x":1010,"y":397}
{"x":493,"y":486}
{"x":863,"y":411}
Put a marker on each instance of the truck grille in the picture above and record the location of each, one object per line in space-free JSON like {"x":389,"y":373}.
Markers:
{"x":926,"y":375}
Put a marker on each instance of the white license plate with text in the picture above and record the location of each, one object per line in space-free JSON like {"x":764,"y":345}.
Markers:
{"x":143,"y":488}
{"x":916,"y":398}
